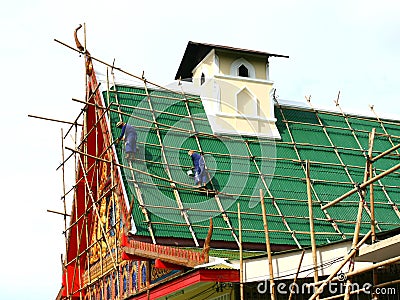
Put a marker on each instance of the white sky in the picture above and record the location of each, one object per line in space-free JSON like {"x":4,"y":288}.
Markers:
{"x":351,"y":46}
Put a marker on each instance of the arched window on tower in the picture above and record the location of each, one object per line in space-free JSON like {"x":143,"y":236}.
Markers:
{"x":202,"y":78}
{"x":242,"y":68}
{"x":243,"y":71}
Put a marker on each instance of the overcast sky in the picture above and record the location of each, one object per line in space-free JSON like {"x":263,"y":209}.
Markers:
{"x":351,"y":46}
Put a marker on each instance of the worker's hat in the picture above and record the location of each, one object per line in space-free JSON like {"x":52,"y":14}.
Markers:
{"x":120,"y":124}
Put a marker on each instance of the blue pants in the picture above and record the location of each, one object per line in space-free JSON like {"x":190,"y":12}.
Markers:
{"x":200,"y":175}
{"x":130,"y":143}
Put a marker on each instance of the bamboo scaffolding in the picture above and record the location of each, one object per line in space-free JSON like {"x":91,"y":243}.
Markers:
{"x":243,"y":229}
{"x":160,"y":111}
{"x":88,"y":247}
{"x":88,"y":187}
{"x":271,"y":196}
{"x":135,"y":185}
{"x":176,"y":194}
{"x":216,"y":197}
{"x":246,"y":173}
{"x":83,"y":165}
{"x":331,"y":126}
{"x":72,"y":224}
{"x":328,"y":217}
{"x":99,"y":217}
{"x":361,"y":148}
{"x":168,"y":90}
{"x":204,"y":119}
{"x":190,"y":132}
{"x":365,"y":155}
{"x":362,"y":186}
{"x":259,"y":215}
{"x":195,"y":99}
{"x":334,"y":113}
{"x":336,"y":151}
{"x":271,"y":174}
{"x":268,"y":246}
{"x":84,"y":139}
{"x":81,"y":112}
{"x":151,"y":175}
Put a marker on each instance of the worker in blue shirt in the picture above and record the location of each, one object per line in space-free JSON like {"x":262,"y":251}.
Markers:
{"x":129,"y":134}
{"x":200,"y":173}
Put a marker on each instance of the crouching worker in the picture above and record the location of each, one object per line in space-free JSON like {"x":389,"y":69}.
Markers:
{"x":129,"y":135}
{"x":200,"y":173}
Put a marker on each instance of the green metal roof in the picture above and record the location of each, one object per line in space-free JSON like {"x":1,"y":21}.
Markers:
{"x":240,"y":166}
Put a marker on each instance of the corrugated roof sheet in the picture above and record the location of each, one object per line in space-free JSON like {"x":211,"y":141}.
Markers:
{"x":240,"y":166}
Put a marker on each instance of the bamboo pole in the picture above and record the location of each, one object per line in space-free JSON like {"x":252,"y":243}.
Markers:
{"x":360,"y":209}
{"x":372,"y":205}
{"x":297,"y":274}
{"x":371,"y":186}
{"x":374,"y":266}
{"x":338,"y":268}
{"x":362,"y":186}
{"x":268,"y":244}
{"x":385,"y":153}
{"x":58,"y":213}
{"x":54,"y":120}
{"x":311,"y":220}
{"x":240,"y":254}
{"x":65,"y":208}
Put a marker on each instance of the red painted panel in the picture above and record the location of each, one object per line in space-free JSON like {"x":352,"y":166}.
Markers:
{"x":187,"y":280}
{"x":165,"y":265}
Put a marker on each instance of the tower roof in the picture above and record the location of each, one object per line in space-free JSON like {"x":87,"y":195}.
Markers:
{"x":195,"y":52}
